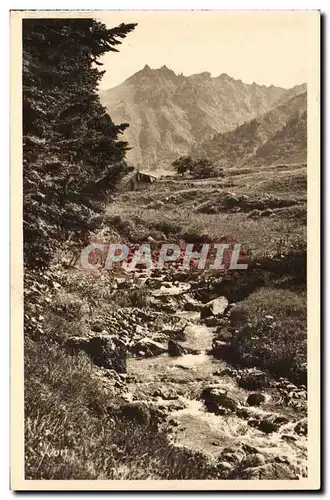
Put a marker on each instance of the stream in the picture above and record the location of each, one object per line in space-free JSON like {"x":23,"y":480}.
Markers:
{"x":176,"y":383}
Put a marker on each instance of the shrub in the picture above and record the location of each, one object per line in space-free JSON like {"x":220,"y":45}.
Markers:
{"x":271,"y":332}
{"x":269,"y":301}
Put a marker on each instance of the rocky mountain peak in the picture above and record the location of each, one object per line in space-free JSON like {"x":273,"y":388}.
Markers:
{"x":171,"y":114}
{"x":204,"y":74}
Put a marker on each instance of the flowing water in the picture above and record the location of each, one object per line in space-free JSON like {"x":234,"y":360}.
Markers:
{"x":196,"y":428}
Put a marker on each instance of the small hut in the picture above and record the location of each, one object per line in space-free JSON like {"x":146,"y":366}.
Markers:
{"x":137,"y":180}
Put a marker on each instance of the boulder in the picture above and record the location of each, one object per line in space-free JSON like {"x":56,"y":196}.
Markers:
{"x":97,"y":327}
{"x":216,"y":307}
{"x":182,"y":367}
{"x":231,"y":372}
{"x":255,"y":399}
{"x":175,"y":406}
{"x":163,"y":303}
{"x":124,"y":285}
{"x":216,"y":400}
{"x":282,"y":459}
{"x":247,"y":412}
{"x":167,"y":394}
{"x":287,"y":437}
{"x":102,"y":350}
{"x":220,"y":349}
{"x":175,"y":349}
{"x":149,"y":347}
{"x":174,"y":333}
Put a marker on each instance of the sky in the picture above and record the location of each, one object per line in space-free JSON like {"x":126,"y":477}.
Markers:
{"x":269,"y":48}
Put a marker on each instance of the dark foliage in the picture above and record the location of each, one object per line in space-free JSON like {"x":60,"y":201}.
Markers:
{"x":198,"y":168}
{"x":72,"y":157}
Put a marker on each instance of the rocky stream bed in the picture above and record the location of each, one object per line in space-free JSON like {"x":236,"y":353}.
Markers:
{"x":165,"y":361}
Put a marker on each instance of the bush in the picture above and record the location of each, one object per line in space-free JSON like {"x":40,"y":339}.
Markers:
{"x":269,"y":301}
{"x":198,"y":168}
{"x":271,"y":332}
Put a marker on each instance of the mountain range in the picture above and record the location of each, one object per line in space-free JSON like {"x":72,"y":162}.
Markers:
{"x":173,"y":115}
{"x":277,"y":136}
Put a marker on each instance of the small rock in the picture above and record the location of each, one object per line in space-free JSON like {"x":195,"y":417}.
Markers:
{"x":267,"y":426}
{"x":253,"y":422}
{"x":211,"y":321}
{"x":253,"y":460}
{"x":243,"y":413}
{"x":166,"y":394}
{"x":191,"y":304}
{"x":282,"y":459}
{"x":231,"y":455}
{"x":224,"y":467}
{"x":216,"y":400}
{"x":287,"y":437}
{"x":250,"y":449}
{"x":279,"y":420}
{"x":149,"y":347}
{"x":301,"y":428}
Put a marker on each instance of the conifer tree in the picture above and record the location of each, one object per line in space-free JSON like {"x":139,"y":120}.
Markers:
{"x":72,"y":153}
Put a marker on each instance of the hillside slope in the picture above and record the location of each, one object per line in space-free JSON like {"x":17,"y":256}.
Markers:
{"x":261,"y":140}
{"x":288,"y":145}
{"x":170,"y":115}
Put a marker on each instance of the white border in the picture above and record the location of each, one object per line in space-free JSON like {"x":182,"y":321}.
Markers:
{"x":4,"y":198}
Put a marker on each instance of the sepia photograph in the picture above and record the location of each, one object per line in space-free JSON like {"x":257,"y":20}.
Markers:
{"x":165,"y":187}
